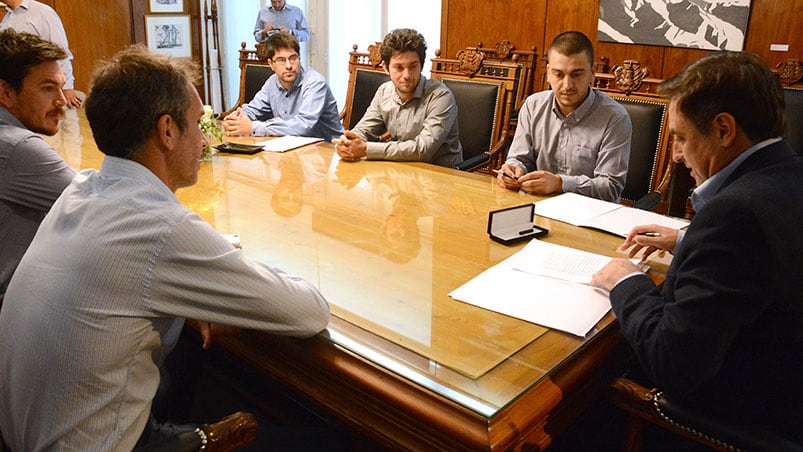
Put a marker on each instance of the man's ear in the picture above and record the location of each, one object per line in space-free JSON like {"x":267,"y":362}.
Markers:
{"x":724,"y":125}
{"x":167,"y":131}
{"x":7,"y":95}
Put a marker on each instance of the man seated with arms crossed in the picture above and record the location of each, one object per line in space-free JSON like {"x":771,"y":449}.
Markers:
{"x":411,"y":117}
{"x":571,"y":138}
{"x":724,"y":333}
{"x":280,"y":17}
{"x":116,"y":267}
{"x":32,"y":175}
{"x":293,"y":101}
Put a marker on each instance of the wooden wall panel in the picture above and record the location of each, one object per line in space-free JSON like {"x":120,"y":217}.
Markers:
{"x":537,"y":22}
{"x":467,"y":23}
{"x":89,"y":42}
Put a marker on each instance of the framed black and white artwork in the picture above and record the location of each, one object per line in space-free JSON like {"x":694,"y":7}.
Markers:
{"x":169,"y":34}
{"x":167,"y":6}
{"x":698,"y":24}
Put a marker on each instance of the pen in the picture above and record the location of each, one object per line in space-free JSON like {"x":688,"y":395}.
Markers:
{"x":650,"y":234}
{"x":526,"y":231}
{"x":504,"y":174}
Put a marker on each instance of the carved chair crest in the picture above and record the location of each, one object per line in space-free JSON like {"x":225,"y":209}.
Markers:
{"x":470,"y":61}
{"x":629,"y":76}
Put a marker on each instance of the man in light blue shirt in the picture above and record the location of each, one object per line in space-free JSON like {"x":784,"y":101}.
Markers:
{"x":281,"y":17}
{"x":293,"y":101}
{"x":126,"y":263}
{"x":37,"y":18}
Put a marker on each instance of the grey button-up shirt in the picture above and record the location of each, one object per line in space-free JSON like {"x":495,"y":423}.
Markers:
{"x":589,"y":148}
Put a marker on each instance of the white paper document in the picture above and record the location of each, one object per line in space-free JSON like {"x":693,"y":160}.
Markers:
{"x":286,"y":143}
{"x":519,"y":287}
{"x":607,"y":216}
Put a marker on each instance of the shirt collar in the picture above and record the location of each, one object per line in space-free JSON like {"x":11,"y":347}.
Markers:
{"x":705,"y":191}
{"x":578,"y":112}
{"x":7,"y":118}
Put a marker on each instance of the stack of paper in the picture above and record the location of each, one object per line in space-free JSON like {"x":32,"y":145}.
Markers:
{"x":606,"y":216}
{"x":545,"y":284}
{"x":286,"y":143}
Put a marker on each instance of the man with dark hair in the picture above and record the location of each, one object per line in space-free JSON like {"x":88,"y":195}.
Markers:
{"x":32,"y":175}
{"x":724,"y":333}
{"x":571,"y":138}
{"x":293,"y":101}
{"x":118,"y":264}
{"x":280,"y":17}
{"x":30,"y":16}
{"x":411,"y":118}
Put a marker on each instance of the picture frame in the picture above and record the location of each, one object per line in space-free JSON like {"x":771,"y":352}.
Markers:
{"x":167,"y":6}
{"x":169,"y":34}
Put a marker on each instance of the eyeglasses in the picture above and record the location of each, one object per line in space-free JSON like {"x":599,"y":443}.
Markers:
{"x":282,"y":60}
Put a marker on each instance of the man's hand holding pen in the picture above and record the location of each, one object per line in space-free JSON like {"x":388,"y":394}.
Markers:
{"x":650,"y":238}
{"x":508,"y":176}
{"x":513,"y":177}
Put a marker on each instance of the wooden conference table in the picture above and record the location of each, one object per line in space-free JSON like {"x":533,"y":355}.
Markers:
{"x":401,"y":362}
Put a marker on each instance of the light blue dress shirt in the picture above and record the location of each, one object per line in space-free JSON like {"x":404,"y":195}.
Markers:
{"x":100,"y":297}
{"x":289,"y":17}
{"x":589,"y":148}
{"x":40,"y":19}
{"x":307,"y":109}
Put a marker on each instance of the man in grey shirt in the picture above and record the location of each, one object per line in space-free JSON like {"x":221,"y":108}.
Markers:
{"x":571,"y":138}
{"x":411,"y":117}
{"x":32,"y":175}
{"x":118,"y":264}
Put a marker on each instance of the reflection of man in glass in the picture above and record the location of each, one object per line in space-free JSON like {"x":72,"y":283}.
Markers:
{"x":292,"y":173}
{"x":405,"y":196}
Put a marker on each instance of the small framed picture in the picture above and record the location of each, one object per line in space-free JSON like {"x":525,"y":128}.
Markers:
{"x":167,"y":6}
{"x":169,"y":34}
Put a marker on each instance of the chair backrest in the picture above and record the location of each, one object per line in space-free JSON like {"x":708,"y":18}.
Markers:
{"x":479,"y":107}
{"x":794,"y":118}
{"x":650,"y":154}
{"x":254,"y":70}
{"x":505,"y":52}
{"x":365,"y":75}
{"x":649,"y":137}
{"x":252,"y":79}
{"x":366,"y":82}
{"x":484,"y":90}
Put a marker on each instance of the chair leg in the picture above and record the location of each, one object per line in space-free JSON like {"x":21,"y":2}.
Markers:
{"x":634,"y":436}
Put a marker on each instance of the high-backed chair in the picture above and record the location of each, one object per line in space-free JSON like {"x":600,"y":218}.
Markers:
{"x":650,"y":156}
{"x":485,"y":94}
{"x":366,"y":73}
{"x":254,"y":71}
{"x":794,"y":118}
{"x":479,"y":110}
{"x":653,"y":406}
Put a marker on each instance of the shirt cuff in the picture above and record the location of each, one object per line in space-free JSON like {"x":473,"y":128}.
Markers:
{"x":375,"y":150}
{"x":568,"y":184}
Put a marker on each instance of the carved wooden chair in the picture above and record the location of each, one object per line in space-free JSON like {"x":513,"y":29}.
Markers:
{"x":366,"y":74}
{"x":650,"y":163}
{"x":485,"y":94}
{"x":794,"y":118}
{"x":505,"y":52}
{"x":653,"y":406}
{"x":254,"y":71}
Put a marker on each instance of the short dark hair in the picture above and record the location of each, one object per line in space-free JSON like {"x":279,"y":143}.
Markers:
{"x":19,"y":52}
{"x":571,"y":43}
{"x":403,"y":40}
{"x":282,"y":40}
{"x":738,"y":83}
{"x":131,"y":92}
